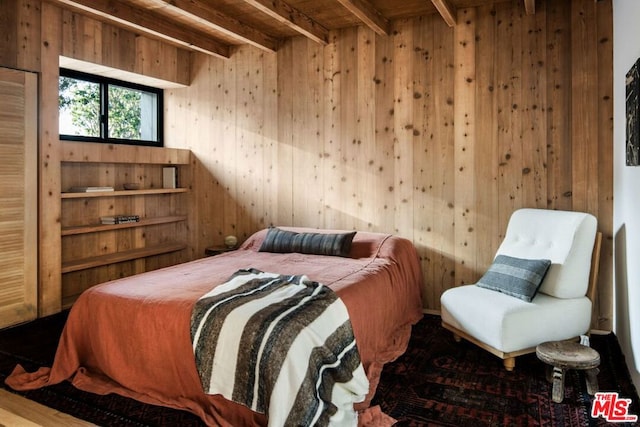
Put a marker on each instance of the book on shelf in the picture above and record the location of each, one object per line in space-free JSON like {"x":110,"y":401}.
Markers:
{"x":89,"y":189}
{"x":170,"y":177}
{"x":119,"y":219}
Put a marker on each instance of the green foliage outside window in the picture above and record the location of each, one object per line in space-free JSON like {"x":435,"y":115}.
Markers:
{"x":124,"y":113}
{"x":81,"y":100}
{"x":106,"y":112}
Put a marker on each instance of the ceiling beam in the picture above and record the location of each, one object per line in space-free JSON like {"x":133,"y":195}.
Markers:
{"x":530,"y":7}
{"x":447,"y":11}
{"x":143,"y":21}
{"x":202,"y":13}
{"x":368,"y":15}
{"x":292,"y":18}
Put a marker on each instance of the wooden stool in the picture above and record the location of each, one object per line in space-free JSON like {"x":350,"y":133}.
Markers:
{"x":564,"y":355}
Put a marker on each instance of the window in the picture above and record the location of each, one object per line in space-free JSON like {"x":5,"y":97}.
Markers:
{"x":98,"y":109}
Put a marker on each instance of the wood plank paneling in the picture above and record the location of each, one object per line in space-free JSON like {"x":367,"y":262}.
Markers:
{"x":465,"y":146}
{"x":533,"y":99}
{"x":558,"y":70}
{"x":20,"y":34}
{"x":442,"y":215}
{"x":231,"y":209}
{"x":363,"y":165}
{"x":332,"y":148}
{"x":308,"y":73}
{"x":584,"y":105}
{"x":230,"y":128}
{"x":433,"y":133}
{"x":35,"y":36}
{"x":604,"y":301}
{"x":488,"y":157}
{"x":284,"y":145}
{"x":270,"y":132}
{"x":349,"y":189}
{"x":509,"y":69}
{"x":423,"y":122}
{"x":89,"y":40}
{"x":401,"y":193}
{"x":246,"y":157}
{"x":50,"y":288}
{"x":8,"y":33}
{"x":347,"y":135}
{"x":381,"y":148}
{"x":28,"y":39}
{"x":208,"y":127}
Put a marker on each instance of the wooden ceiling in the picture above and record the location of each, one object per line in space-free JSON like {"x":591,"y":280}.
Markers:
{"x":216,"y":26}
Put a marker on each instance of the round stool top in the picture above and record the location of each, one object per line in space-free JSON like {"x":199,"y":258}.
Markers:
{"x":568,"y":355}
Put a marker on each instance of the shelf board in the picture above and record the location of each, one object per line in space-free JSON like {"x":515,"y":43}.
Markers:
{"x":118,"y":193}
{"x":96,"y":228}
{"x":98,"y":261}
{"x":85,"y":152}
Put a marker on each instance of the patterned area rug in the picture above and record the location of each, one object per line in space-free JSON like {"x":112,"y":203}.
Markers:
{"x":437,"y":382}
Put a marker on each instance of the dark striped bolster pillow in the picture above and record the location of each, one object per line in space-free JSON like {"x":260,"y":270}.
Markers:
{"x":516,"y":277}
{"x":282,"y":241}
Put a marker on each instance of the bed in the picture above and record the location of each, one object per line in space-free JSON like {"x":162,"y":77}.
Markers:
{"x":131,"y":336}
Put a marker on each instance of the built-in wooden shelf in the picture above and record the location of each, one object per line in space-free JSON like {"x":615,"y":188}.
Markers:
{"x":83,"y":229}
{"x":92,"y":252}
{"x":98,"y":261}
{"x":123,"y":193}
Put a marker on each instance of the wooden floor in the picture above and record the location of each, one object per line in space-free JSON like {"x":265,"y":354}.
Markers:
{"x":16,"y":411}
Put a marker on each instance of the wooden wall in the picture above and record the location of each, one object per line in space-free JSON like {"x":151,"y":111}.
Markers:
{"x":20,"y":34}
{"x":230,"y":118}
{"x":33,"y":36}
{"x":433,"y":133}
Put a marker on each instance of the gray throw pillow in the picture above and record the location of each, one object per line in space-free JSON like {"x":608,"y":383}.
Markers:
{"x":516,"y":277}
{"x":282,"y":241}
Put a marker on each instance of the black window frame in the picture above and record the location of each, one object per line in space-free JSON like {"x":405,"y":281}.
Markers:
{"x":104,"y":83}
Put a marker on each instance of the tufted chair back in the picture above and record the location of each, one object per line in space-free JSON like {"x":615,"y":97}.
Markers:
{"x":566,"y":238}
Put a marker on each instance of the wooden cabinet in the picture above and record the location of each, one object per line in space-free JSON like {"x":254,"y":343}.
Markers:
{"x":18,"y":196}
{"x":93,"y":252}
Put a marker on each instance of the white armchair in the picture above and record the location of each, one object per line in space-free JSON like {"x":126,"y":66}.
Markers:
{"x":561,"y":308}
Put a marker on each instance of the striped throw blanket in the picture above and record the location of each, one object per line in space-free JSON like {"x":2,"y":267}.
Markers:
{"x":280,"y":345}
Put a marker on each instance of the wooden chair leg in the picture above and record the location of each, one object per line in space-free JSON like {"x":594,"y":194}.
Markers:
{"x":509,"y":363}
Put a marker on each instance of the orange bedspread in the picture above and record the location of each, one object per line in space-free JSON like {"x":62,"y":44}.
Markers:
{"x":131,"y":336}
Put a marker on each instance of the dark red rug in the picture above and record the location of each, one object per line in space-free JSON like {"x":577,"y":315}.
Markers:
{"x":437,"y":382}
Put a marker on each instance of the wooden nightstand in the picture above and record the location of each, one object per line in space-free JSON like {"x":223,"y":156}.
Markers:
{"x":217,"y":250}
